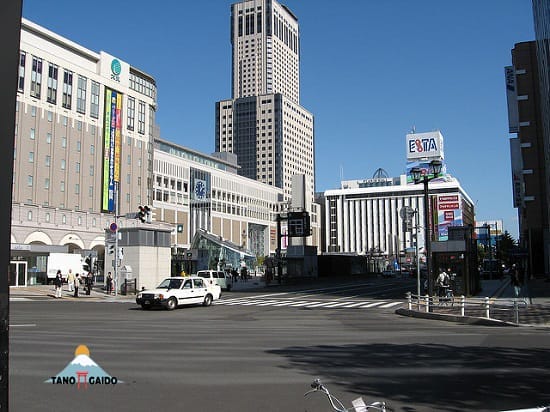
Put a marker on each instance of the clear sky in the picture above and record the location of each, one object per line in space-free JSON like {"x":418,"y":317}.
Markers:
{"x":370,"y":71}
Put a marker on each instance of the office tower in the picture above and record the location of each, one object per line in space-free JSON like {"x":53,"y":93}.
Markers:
{"x":541,"y":15}
{"x":263,"y":122}
{"x":527,"y":152}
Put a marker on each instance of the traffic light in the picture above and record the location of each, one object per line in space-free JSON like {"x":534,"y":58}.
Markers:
{"x":141,"y":214}
{"x":148,"y":214}
{"x":111,"y":249}
{"x":87,"y":266}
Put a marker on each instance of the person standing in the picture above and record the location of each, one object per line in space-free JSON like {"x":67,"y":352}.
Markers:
{"x":70,"y":280}
{"x":58,"y":282}
{"x":76,"y":284}
{"x":516,"y":280}
{"x":109,"y":283}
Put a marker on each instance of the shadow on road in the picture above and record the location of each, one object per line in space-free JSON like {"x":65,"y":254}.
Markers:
{"x":435,"y":376}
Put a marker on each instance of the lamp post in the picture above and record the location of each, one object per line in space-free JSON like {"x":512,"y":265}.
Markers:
{"x":423,"y":176}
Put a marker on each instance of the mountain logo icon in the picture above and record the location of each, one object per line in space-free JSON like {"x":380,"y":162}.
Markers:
{"x":82,"y":371}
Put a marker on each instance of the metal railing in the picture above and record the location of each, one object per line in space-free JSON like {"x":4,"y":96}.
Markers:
{"x":507,"y":310}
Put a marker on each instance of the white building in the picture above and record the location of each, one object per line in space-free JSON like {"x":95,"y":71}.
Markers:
{"x":365,"y":215}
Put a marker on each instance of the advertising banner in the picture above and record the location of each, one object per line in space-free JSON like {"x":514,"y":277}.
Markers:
{"x":449,"y":213}
{"x":511,"y":98}
{"x":111,"y":148}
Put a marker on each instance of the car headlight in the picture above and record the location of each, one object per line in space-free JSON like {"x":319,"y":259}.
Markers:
{"x":139,"y":296}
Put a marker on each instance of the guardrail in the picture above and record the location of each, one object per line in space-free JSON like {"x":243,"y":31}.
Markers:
{"x":507,"y":310}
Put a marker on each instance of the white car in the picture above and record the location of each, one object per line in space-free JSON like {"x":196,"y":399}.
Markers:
{"x":176,"y":291}
{"x":217,"y":277}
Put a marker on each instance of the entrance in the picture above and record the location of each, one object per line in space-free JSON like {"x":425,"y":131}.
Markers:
{"x":17,"y":274}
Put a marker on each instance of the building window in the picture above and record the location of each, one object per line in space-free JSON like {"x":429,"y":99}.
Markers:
{"x":77,"y":167}
{"x":94,"y":101}
{"x":32,"y":134}
{"x":67,"y":89}
{"x":63,"y":142}
{"x":47,"y":183}
{"x":131,"y":112}
{"x":90,"y":191}
{"x":50,"y":116}
{"x":78,"y":146}
{"x":36,"y":77}
{"x":91,"y":170}
{"x":62,"y":164}
{"x":64,"y":219}
{"x":62,"y":186}
{"x":92,"y":149}
{"x":48,"y":160}
{"x":21,"y":82}
{"x":81,"y":95}
{"x":77,"y":189}
{"x":33,"y":111}
{"x":29,"y":215}
{"x":48,"y":138}
{"x":31,"y":157}
{"x":29,"y":181}
{"x":141,"y":118}
{"x":52,"y":84}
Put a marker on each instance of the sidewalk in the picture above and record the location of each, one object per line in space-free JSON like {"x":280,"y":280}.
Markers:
{"x":535,"y":312}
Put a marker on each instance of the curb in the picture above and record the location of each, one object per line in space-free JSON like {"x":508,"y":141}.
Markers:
{"x":469,"y":320}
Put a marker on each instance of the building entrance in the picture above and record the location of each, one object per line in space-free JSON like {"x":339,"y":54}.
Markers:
{"x":17,"y":274}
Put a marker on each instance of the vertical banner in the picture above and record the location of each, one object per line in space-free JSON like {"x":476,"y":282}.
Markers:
{"x":112,"y":137}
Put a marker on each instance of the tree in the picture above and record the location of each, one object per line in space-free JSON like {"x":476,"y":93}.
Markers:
{"x":505,"y":247}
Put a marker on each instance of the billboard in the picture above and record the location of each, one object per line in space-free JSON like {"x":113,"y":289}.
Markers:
{"x":449,"y":213}
{"x":511,"y":98}
{"x":112,"y":135}
{"x":425,"y":146}
{"x":517,"y":176}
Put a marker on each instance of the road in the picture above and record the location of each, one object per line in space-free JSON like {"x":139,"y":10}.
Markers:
{"x":251,"y":357}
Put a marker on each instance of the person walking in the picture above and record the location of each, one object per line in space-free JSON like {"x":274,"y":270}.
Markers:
{"x":442,"y":283}
{"x":70,"y":280}
{"x":76,"y":284}
{"x":516,"y":280}
{"x":58,"y":282}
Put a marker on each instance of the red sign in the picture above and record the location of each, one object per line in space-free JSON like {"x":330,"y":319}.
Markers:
{"x":448,"y":215}
{"x":453,"y":198}
{"x":448,"y":206}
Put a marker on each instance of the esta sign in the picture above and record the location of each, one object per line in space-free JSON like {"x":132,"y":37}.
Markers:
{"x":424,"y":145}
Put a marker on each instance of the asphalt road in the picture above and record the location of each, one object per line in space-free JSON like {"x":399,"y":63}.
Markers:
{"x":262,"y":358}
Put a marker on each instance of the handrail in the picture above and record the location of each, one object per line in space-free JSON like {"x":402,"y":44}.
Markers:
{"x":490,"y":308}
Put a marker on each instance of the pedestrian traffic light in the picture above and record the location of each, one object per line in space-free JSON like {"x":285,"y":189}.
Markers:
{"x":110,"y":249}
{"x":141,"y":214}
{"x":87,"y":266}
{"x":148,"y":214}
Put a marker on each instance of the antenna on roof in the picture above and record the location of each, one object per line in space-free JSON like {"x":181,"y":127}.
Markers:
{"x":413,"y":129}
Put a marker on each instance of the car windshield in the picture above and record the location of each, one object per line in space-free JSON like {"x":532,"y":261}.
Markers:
{"x":170,"y":284}
{"x":203,"y":274}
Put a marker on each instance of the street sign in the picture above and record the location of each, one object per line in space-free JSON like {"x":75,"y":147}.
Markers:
{"x":113,"y":227}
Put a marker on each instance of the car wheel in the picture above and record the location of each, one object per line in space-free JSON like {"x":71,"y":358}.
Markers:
{"x":171,"y":304}
{"x":207,"y":300}
{"x":145,"y":307}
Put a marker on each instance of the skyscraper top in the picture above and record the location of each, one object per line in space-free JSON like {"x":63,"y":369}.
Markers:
{"x":265,"y":40}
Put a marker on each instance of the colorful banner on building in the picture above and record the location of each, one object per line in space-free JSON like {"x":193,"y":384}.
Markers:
{"x":449,"y":213}
{"x":112,"y":136}
{"x":425,"y":146}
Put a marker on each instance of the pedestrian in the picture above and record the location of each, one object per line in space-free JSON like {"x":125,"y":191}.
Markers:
{"x":58,"y":282}
{"x":516,"y":280}
{"x":76,"y":284}
{"x":89,"y":280}
{"x":235,"y":275}
{"x":109,"y":283}
{"x":70,"y":280}
{"x":442,"y":283}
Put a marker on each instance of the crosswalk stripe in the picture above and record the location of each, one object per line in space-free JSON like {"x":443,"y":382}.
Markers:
{"x":389,"y":305}
{"x":371,"y":305}
{"x":268,"y":302}
{"x":353,"y":305}
{"x":336,"y":304}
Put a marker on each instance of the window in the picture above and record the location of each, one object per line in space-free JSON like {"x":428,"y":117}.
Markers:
{"x":50,"y":116}
{"x":67,"y":89}
{"x":77,"y":167}
{"x":47,"y":183}
{"x":92,"y":149}
{"x":91,"y":170}
{"x":36,"y":77}
{"x":33,"y":111}
{"x":90,"y":191}
{"x":77,"y":189}
{"x":29,"y":181}
{"x":64,"y":142}
{"x":131,"y":113}
{"x":31,"y":157}
{"x":48,"y":160}
{"x":52,"y":85}
{"x":32,"y":134}
{"x":63,"y":164}
{"x":94,"y":101}
{"x":62,"y":187}
{"x":48,"y":138}
{"x":29,"y":215}
{"x":141,"y":118}
{"x":64,"y":219}
{"x":81,"y":95}
{"x":78,"y":146}
{"x":21,"y":81}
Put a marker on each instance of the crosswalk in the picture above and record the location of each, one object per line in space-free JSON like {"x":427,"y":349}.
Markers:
{"x":297,"y":303}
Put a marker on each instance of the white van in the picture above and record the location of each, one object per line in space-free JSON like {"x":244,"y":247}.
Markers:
{"x":217,"y":277}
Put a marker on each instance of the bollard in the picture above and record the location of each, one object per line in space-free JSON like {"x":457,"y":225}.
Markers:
{"x":516,"y":311}
{"x":462,"y":305}
{"x":409,"y":300}
{"x":487,"y":314}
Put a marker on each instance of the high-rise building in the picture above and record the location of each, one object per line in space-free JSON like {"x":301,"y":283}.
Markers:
{"x":263,"y":122}
{"x":527,"y":153}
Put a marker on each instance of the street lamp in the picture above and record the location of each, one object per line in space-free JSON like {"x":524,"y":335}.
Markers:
{"x":423,"y":176}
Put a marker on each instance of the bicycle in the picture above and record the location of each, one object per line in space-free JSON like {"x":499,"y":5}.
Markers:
{"x":357,"y":405}
{"x":447,"y":297}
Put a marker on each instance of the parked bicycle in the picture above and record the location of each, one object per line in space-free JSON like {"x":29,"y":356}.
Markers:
{"x":358,"y":404}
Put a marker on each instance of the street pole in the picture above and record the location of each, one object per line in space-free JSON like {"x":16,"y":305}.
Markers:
{"x":115,"y":269}
{"x":417,"y":225}
{"x":427,"y":242}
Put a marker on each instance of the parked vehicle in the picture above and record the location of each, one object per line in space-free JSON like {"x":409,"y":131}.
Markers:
{"x":176,"y":291}
{"x":217,"y":277}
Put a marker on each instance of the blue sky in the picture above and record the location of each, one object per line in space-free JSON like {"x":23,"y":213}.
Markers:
{"x":370,"y":71}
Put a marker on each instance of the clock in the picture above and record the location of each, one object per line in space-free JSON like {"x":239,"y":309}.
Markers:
{"x":200,"y":189}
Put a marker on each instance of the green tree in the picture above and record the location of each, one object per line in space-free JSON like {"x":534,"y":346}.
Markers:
{"x":506,"y":244}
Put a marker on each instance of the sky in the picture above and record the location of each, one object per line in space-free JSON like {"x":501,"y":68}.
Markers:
{"x":370,"y":71}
